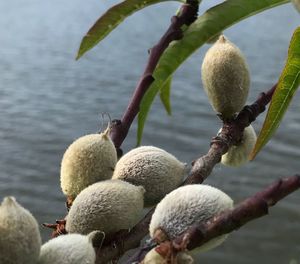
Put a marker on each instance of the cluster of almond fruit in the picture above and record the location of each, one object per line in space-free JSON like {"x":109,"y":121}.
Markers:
{"x":106,"y":195}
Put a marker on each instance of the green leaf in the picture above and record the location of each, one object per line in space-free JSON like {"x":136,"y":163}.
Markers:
{"x":110,"y":20}
{"x":211,"y":23}
{"x":165,"y":93}
{"x":287,"y":85}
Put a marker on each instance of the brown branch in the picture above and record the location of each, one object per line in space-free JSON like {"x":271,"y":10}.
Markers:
{"x":252,"y":208}
{"x":187,"y":15}
{"x":201,"y":169}
{"x":230,"y":134}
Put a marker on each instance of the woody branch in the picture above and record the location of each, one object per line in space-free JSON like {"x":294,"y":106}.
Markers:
{"x":230,"y":134}
{"x":202,"y":167}
{"x":250,"y":209}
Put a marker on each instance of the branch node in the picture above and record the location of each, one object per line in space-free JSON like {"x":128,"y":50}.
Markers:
{"x":218,"y":140}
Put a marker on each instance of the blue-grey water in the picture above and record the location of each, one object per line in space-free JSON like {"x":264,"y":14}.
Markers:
{"x":47,"y":99}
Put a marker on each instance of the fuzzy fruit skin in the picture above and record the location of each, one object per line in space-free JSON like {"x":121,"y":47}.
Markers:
{"x":225,"y":77}
{"x":188,"y":205}
{"x":87,"y":160}
{"x":153,"y":257}
{"x":68,"y":249}
{"x":296,"y":4}
{"x":238,"y":155}
{"x":108,"y":206}
{"x":20,"y":239}
{"x":156,"y":170}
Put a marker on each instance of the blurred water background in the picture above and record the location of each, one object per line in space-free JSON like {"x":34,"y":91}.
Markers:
{"x":47,"y":99}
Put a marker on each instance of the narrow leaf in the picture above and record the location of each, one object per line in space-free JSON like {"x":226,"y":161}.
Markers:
{"x":165,"y":93}
{"x":212,"y":22}
{"x":287,"y":85}
{"x":110,"y":20}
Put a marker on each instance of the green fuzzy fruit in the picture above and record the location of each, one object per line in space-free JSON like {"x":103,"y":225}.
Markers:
{"x":188,"y":205}
{"x":68,"y":249}
{"x":20,"y":239}
{"x":108,"y":206}
{"x":156,"y":170}
{"x":225,"y":77}
{"x":238,"y":155}
{"x":87,"y":160}
{"x":153,"y":257}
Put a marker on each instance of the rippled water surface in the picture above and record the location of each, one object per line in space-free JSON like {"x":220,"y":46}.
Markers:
{"x":47,"y":99}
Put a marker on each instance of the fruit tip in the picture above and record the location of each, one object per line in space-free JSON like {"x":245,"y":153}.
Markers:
{"x":9,"y":200}
{"x":222,"y":39}
{"x":105,"y":133}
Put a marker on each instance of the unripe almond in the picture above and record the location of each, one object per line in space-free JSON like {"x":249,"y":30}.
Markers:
{"x":296,"y":4}
{"x":68,"y":249}
{"x":237,"y":155}
{"x":20,"y":239}
{"x":186,"y":206}
{"x":108,"y":206}
{"x":153,"y":257}
{"x":87,"y":160}
{"x":225,"y":77}
{"x":156,"y":170}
